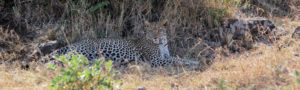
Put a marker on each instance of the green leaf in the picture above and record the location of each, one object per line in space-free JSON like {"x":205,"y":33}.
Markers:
{"x":62,"y":59}
{"x":221,"y":84}
{"x":51,"y":66}
{"x":56,"y":80}
{"x":99,"y":61}
{"x":83,"y":59}
{"x":298,"y":77}
{"x":108,"y":65}
{"x":116,"y":73}
{"x":74,"y":61}
{"x":288,"y":88}
{"x":98,"y":6}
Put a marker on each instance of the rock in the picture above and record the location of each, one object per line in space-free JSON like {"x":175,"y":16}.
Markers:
{"x":260,"y":29}
{"x":48,"y":47}
{"x":296,"y":33}
{"x":141,"y":88}
{"x":174,"y":85}
{"x":265,"y":8}
{"x":240,"y":34}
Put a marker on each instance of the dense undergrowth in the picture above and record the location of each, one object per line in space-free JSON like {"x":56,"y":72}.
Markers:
{"x":191,"y":24}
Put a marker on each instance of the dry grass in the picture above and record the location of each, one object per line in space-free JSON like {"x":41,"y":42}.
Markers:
{"x":13,"y":77}
{"x":262,"y":67}
{"x":265,"y":67}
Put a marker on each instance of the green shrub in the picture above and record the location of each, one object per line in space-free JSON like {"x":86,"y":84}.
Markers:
{"x":298,"y":77}
{"x":221,"y":84}
{"x":76,"y":74}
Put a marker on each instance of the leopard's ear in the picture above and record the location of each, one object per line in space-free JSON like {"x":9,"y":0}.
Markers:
{"x":147,"y":22}
{"x":163,"y":22}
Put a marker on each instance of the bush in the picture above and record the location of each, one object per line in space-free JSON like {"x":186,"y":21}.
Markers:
{"x":298,"y":77}
{"x":76,"y":74}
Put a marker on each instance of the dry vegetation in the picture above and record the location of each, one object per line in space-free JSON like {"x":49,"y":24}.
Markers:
{"x":24,"y":23}
{"x":265,"y":67}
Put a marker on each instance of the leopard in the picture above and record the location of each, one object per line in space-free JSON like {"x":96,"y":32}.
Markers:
{"x":152,"y":48}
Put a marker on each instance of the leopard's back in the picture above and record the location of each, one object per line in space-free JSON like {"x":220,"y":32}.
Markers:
{"x":119,"y":50}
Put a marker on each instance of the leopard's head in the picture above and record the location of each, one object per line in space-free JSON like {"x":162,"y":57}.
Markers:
{"x":156,"y":32}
